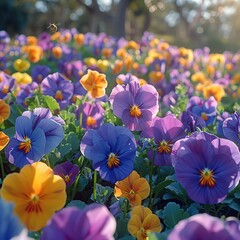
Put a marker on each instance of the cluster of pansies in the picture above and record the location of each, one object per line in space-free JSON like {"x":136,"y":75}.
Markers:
{"x":104,"y":138}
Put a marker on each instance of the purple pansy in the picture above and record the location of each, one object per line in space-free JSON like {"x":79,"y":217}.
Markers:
{"x":39,"y":72}
{"x":165,"y":132}
{"x":136,"y":105}
{"x":6,"y":84}
{"x":51,"y":125}
{"x":91,"y":223}
{"x":231,"y":128}
{"x":191,"y":122}
{"x":57,"y":86}
{"x":27,"y":145}
{"x":112,"y":150}
{"x":37,"y":133}
{"x":68,"y":171}
{"x":204,"y":226}
{"x":92,"y":115}
{"x":220,"y":120}
{"x":207,"y":109}
{"x":206,"y":166}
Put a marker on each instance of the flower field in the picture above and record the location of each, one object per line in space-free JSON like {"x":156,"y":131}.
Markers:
{"x":105,"y":138}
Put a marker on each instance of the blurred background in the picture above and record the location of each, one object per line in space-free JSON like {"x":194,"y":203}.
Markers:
{"x":184,"y":23}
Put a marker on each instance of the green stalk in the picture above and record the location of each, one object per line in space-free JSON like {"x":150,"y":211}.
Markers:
{"x":75,"y":187}
{"x":80,"y":115}
{"x":151,"y":180}
{"x":95,"y":186}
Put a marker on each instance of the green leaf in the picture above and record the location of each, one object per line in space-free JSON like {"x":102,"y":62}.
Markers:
{"x":103,"y":193}
{"x":82,"y":183}
{"x":162,"y":185}
{"x":158,"y":236}
{"x":77,"y":203}
{"x":51,"y":103}
{"x":172,"y":214}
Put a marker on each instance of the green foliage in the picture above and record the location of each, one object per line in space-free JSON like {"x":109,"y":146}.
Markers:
{"x":77,"y":203}
{"x":172,"y":214}
{"x":103,"y":193}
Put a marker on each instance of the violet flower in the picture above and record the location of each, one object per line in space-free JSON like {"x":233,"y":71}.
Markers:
{"x":57,"y":86}
{"x":92,"y":115}
{"x":91,"y":223}
{"x":207,"y":109}
{"x":165,"y":132}
{"x":204,"y":226}
{"x":6,"y":84}
{"x":231,"y":128}
{"x":39,"y":72}
{"x":68,"y":171}
{"x":112,"y":150}
{"x":206,"y":166}
{"x":136,"y":105}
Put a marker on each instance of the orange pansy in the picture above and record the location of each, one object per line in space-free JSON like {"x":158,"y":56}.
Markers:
{"x":142,"y":222}
{"x":36,"y":193}
{"x":4,"y":111}
{"x":134,"y":188}
{"x":4,"y":139}
{"x":95,"y":83}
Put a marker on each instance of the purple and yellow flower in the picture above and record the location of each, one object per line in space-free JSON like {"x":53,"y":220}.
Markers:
{"x":204,"y":226}
{"x":165,"y":132}
{"x":136,"y":105}
{"x":57,"y":86}
{"x":112,"y":150}
{"x":231,"y":128}
{"x":68,"y":171}
{"x":6,"y":84}
{"x":92,"y":115}
{"x":37,"y":133}
{"x":39,"y":72}
{"x":206,"y":166}
{"x":91,"y":223}
{"x":36,"y":193}
{"x":206,"y":109}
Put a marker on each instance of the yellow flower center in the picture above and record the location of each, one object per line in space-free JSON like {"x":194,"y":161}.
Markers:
{"x":164,"y":146}
{"x":34,"y":204}
{"x":135,"y":111}
{"x":25,"y":145}
{"x":5,"y":89}
{"x":90,"y":121}
{"x":67,"y":178}
{"x":207,"y":178}
{"x":113,"y":161}
{"x":143,"y":233}
{"x":59,"y":95}
{"x":204,"y":116}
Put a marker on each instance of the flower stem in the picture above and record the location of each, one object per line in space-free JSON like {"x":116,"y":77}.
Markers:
{"x":95,"y":186}
{"x":80,"y":115}
{"x":74,"y":190}
{"x":2,"y":167}
{"x":151,"y":180}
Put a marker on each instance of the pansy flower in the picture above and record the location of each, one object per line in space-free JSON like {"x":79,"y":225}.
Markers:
{"x":91,"y":223}
{"x":36,"y":193}
{"x":231,"y":128}
{"x":6,"y":84}
{"x":206,"y":109}
{"x":206,"y":166}
{"x":92,"y":115}
{"x":37,"y":133}
{"x":4,"y":111}
{"x":136,"y":105}
{"x":95,"y":83}
{"x":134,"y":188}
{"x":4,"y":140}
{"x":112,"y":150}
{"x":39,"y":72}
{"x":68,"y":171}
{"x":57,"y":86}
{"x":204,"y":226}
{"x":142,"y":222}
{"x":165,"y":132}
